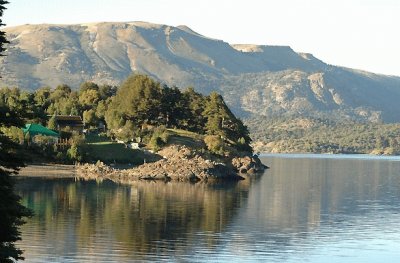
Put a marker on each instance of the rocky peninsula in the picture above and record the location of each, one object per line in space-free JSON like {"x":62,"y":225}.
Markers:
{"x":178,"y":163}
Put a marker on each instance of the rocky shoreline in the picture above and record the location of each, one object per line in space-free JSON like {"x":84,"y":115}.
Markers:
{"x":178,"y":163}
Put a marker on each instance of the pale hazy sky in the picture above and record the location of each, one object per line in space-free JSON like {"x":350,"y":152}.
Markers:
{"x":362,"y":34}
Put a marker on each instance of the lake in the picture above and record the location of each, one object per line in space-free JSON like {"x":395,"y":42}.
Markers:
{"x":306,"y":208}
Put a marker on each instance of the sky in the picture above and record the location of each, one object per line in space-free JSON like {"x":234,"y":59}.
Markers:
{"x":361,"y":34}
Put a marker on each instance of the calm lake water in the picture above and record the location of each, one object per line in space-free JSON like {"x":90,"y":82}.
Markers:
{"x":303,"y":209}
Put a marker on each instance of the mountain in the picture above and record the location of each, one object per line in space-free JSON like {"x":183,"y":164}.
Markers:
{"x":254,"y":80}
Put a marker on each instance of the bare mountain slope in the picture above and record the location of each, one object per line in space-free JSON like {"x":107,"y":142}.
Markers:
{"x":264,"y":80}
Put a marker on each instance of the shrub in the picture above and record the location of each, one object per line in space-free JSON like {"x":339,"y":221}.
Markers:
{"x":73,"y":153}
{"x":77,"y":139}
{"x":215,"y":144}
{"x":159,"y":138}
{"x":44,"y":140}
{"x":156,"y":143}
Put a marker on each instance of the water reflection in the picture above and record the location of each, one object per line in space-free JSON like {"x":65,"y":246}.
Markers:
{"x":302,"y":193}
{"x":299,"y":210}
{"x":138,"y":219}
{"x":326,"y":207}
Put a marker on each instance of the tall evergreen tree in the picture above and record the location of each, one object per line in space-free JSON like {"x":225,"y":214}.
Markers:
{"x":196,"y":104}
{"x":222,"y":122}
{"x":11,"y":211}
{"x":173,"y":108}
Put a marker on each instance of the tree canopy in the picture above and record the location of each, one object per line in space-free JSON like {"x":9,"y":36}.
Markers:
{"x":133,"y":110}
{"x":142,"y":101}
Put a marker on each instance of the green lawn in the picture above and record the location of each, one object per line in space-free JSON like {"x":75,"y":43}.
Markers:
{"x":105,"y":150}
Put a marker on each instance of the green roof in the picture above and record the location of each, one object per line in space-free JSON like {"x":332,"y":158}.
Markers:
{"x":37,"y":129}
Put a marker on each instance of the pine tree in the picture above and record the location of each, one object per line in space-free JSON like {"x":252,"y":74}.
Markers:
{"x":52,"y":123}
{"x":11,"y":211}
{"x":222,"y":122}
{"x":196,"y":104}
{"x":173,"y":107}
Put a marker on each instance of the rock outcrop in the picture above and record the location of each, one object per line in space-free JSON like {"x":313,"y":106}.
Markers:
{"x":178,"y":163}
{"x":248,"y":165}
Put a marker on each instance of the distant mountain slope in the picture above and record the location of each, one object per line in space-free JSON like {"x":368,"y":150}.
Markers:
{"x":262,"y":80}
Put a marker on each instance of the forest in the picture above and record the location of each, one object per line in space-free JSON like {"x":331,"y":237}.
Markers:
{"x":323,"y":135}
{"x":139,"y":110}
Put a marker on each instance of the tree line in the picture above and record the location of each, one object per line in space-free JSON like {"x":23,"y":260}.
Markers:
{"x":130,"y":111}
{"x":323,"y":135}
{"x":141,"y":102}
{"x":89,"y":101}
{"x":136,"y":109}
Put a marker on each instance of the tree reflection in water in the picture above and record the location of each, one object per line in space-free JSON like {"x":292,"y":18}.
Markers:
{"x":141,"y":218}
{"x":300,"y":210}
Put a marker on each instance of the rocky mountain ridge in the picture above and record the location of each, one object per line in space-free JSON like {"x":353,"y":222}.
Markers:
{"x":254,"y":80}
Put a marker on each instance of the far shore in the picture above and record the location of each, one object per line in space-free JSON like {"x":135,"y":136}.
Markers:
{"x":48,"y":170}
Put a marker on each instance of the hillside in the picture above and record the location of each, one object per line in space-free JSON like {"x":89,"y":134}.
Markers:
{"x":254,"y":80}
{"x":314,"y":135}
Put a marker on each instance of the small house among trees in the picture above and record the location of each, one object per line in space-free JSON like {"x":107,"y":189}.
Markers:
{"x":68,"y":123}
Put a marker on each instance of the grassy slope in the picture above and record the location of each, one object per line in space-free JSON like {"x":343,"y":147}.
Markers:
{"x":194,"y":141}
{"x":105,"y":150}
{"x":182,"y":137}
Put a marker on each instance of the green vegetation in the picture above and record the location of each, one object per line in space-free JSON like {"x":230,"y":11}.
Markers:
{"x":141,"y":105}
{"x":215,"y":144}
{"x":159,"y":138}
{"x":188,"y":138}
{"x":11,"y":211}
{"x":102,"y":148}
{"x":314,"y":135}
{"x":141,"y":110}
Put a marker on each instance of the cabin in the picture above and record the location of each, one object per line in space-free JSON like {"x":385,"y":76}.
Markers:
{"x":69,"y":123}
{"x":32,"y":131}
